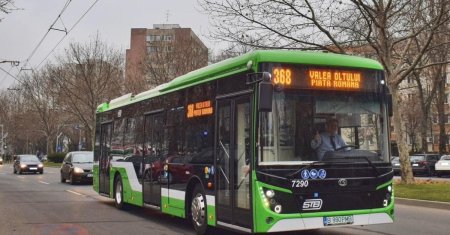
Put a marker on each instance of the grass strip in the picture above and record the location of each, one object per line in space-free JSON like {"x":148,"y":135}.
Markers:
{"x":424,"y":190}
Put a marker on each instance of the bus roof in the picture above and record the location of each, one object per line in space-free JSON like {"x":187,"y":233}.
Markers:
{"x":240,"y":64}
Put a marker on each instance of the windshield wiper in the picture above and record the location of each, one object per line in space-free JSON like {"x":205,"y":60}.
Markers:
{"x":370,"y":163}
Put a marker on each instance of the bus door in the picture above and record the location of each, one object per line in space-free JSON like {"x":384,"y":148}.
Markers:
{"x":104,"y":161}
{"x":232,"y":155}
{"x":153,"y":161}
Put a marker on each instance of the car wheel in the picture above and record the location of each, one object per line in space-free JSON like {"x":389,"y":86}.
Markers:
{"x":14,"y":170}
{"x":41,"y":172}
{"x":63,"y":180}
{"x":72,"y":182}
{"x":118,"y":194}
{"x":20,"y":172}
{"x":198,"y":212}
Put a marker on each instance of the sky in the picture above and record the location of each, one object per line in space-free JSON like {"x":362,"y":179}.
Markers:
{"x":21,"y":30}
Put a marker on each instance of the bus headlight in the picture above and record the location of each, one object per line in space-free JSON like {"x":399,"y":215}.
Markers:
{"x":270,"y":193}
{"x":389,"y":188}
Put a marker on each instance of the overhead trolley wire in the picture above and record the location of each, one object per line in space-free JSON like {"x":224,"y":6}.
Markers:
{"x":45,"y":35}
{"x":76,"y":23}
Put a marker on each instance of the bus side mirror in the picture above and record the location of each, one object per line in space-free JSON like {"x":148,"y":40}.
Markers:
{"x":265,"y":93}
{"x":389,"y":105}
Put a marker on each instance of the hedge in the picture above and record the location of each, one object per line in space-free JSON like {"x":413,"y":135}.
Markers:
{"x":56,"y":157}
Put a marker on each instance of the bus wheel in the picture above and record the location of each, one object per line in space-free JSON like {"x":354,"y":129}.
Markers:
{"x":118,"y":194}
{"x":198,"y":210}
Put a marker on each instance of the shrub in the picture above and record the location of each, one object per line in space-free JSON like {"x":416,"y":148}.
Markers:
{"x":56,"y":157}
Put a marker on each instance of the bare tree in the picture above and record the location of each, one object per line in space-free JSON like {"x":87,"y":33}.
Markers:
{"x":398,"y":32}
{"x":87,"y":75}
{"x":411,"y":110}
{"x":6,"y":7}
{"x":170,"y":59}
{"x":42,"y":96}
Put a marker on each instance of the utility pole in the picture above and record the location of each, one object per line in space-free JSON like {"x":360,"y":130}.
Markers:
{"x":1,"y":151}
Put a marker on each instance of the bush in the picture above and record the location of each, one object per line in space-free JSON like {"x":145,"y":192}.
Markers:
{"x":56,"y":157}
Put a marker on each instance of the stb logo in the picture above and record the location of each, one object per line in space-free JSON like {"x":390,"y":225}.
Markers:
{"x":312,"y":204}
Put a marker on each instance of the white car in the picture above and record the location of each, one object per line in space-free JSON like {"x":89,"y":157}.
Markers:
{"x":442,"y":166}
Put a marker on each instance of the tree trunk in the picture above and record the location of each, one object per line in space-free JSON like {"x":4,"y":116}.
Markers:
{"x":405,"y":169}
{"x":423,"y":132}
{"x":440,"y":105}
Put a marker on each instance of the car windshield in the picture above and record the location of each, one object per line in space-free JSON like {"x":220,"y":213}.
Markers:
{"x":299,"y":115}
{"x":417,"y":158}
{"x":445,"y":157}
{"x":83,"y":158}
{"x":29,"y":158}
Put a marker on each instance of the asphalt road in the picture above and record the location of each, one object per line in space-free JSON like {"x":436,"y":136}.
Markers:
{"x":40,"y":204}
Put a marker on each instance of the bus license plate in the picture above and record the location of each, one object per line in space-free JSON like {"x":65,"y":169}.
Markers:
{"x":348,"y":219}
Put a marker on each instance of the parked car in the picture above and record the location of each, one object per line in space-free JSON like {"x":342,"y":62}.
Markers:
{"x":27,"y":163}
{"x":423,"y":163}
{"x":77,"y":167}
{"x":396,"y":165}
{"x":442,"y":167}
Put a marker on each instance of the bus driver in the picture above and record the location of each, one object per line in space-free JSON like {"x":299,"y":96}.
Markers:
{"x":329,"y":140}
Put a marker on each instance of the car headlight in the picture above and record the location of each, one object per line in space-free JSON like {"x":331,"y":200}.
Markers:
{"x":23,"y":165}
{"x":78,"y":170}
{"x":40,"y":165}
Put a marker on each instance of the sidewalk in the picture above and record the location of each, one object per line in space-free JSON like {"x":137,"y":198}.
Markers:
{"x":423,"y":203}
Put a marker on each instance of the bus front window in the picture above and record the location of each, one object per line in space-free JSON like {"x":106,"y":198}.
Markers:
{"x":299,"y":116}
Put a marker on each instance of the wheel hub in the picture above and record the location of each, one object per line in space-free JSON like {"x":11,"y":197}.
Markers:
{"x":198,"y":210}
{"x":118,"y":193}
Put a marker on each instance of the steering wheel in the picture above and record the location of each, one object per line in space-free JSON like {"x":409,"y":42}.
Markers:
{"x":346,"y":146}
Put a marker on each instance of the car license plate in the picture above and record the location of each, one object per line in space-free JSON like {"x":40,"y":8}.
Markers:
{"x":89,"y":175}
{"x":335,"y":220}
{"x":33,"y":168}
{"x":397,"y":164}
{"x":415,"y":164}
{"x":445,"y":163}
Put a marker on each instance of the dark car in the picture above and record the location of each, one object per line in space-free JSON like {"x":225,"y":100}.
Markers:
{"x":27,"y":163}
{"x":423,"y":163}
{"x":77,"y":167}
{"x":396,"y":165}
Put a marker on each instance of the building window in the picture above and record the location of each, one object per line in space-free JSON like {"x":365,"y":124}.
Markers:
{"x":168,"y":48}
{"x":151,"y":49}
{"x":167,"y":38}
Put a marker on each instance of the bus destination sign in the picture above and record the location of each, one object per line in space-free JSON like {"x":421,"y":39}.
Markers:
{"x":324,"y":78}
{"x":199,"y":109}
{"x":334,"y":79}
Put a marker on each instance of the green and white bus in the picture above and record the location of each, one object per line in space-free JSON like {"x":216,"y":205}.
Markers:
{"x":229,"y":145}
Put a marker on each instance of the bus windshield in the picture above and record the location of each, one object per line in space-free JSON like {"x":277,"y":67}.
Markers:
{"x":296,"y":131}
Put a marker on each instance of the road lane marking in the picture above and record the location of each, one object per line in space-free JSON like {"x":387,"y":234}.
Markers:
{"x":22,"y":177}
{"x":70,"y":191}
{"x":42,"y":182}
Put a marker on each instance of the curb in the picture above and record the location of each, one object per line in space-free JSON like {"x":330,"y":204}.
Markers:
{"x":423,"y":203}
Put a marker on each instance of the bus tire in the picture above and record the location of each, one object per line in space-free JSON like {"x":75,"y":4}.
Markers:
{"x":118,"y":194}
{"x":198,"y":213}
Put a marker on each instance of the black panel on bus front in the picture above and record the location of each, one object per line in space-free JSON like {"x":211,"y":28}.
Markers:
{"x":345,"y":187}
